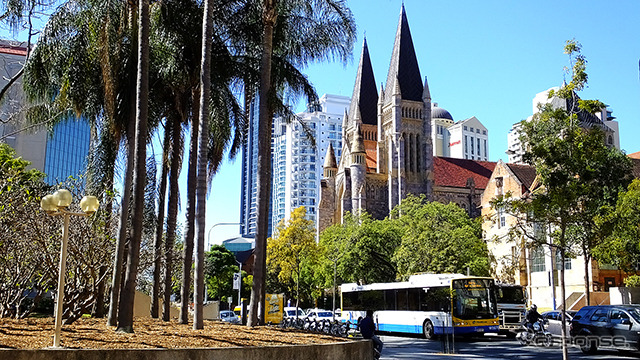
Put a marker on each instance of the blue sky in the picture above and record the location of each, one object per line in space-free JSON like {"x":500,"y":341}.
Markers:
{"x":486,"y":59}
{"x":482,"y":58}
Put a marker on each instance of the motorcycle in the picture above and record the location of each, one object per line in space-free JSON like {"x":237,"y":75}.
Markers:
{"x":534,"y":334}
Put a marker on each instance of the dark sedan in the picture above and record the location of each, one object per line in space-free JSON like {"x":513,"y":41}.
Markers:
{"x":615,"y":326}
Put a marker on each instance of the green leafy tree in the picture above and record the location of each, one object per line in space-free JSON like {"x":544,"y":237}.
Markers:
{"x":438,"y":238}
{"x":578,"y":175}
{"x":220,"y":265}
{"x":292,"y":249}
{"x":621,"y":247}
{"x":359,"y":250}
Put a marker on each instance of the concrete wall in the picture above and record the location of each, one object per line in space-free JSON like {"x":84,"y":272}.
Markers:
{"x":142,"y":306}
{"x":624,"y":295}
{"x":337,"y":351}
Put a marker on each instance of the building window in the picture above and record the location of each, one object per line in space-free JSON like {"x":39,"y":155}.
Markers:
{"x":478,"y":146}
{"x":502,"y":219}
{"x":567,"y":261}
{"x":484,"y":132}
{"x":472,"y":146}
{"x":486,"y":154}
{"x":465,"y":128}
{"x":465,"y":144}
{"x":537,"y":259}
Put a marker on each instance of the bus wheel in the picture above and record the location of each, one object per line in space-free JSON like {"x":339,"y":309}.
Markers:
{"x":427,"y":330}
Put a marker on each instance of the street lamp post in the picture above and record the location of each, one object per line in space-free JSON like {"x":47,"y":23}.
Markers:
{"x":56,"y":205}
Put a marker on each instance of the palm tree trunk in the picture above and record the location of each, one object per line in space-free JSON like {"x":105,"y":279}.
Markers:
{"x":116,"y":283}
{"x":256,"y":313}
{"x":127,"y":297}
{"x":185,"y":291}
{"x":203,"y":147}
{"x":172,"y":216}
{"x":162,"y":191}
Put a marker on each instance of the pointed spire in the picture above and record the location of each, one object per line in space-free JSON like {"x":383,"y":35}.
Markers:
{"x":404,"y":64}
{"x":345,"y":120}
{"x":365,"y":94}
{"x":330,"y":159}
{"x":358,"y":142}
{"x":396,"y":88}
{"x":426,"y":94}
{"x":381,"y":96}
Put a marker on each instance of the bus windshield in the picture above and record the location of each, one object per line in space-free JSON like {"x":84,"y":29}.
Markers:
{"x":510,"y":295}
{"x":473,"y":299}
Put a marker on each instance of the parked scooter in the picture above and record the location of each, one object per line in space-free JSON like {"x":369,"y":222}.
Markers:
{"x":534,"y":334}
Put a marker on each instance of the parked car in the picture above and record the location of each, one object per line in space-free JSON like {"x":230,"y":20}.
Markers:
{"x":615,"y":326}
{"x":319,"y":315}
{"x":291,"y":312}
{"x":554,"y":322}
{"x":229,"y":316}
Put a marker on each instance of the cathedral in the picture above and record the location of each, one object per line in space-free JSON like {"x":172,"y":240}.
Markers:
{"x":387,"y":149}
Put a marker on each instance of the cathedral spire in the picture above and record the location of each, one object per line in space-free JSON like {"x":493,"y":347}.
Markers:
{"x":357,"y":147}
{"x":404,"y":64}
{"x":330,"y":165}
{"x":426,"y":94}
{"x":365,"y":94}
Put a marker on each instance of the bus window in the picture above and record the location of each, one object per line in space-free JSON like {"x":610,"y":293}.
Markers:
{"x":435,"y":299}
{"x":389,"y":299}
{"x":401,"y":299}
{"x":414,"y":299}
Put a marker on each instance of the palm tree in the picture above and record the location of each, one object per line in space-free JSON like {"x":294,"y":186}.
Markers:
{"x":127,"y":296}
{"x":328,"y":32}
{"x":162,"y":191}
{"x":180,"y":71}
{"x":97,"y":84}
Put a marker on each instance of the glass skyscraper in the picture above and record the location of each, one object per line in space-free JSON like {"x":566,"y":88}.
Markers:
{"x":66,"y":151}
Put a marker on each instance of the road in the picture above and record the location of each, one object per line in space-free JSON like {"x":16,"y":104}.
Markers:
{"x":489,"y":347}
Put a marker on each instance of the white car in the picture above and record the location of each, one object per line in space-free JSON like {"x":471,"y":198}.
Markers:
{"x":320,"y":314}
{"x":229,"y":316}
{"x":291,"y":312}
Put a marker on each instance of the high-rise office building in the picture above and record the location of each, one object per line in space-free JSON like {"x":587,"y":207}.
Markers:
{"x":60,"y":153}
{"x":249,"y":190}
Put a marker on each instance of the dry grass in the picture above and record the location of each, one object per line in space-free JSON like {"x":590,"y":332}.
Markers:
{"x":149,"y":333}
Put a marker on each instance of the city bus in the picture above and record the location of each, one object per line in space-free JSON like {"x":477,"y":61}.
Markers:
{"x":427,"y":304}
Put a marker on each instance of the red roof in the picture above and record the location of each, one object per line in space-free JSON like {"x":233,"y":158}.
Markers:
{"x":635,"y":155}
{"x":455,"y":172}
{"x":13,"y":50}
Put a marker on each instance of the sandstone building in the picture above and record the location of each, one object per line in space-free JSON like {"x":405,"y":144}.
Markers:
{"x":387,"y":145}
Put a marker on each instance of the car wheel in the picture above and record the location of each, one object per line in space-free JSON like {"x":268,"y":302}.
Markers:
{"x":427,"y":330}
{"x":589,"y":346}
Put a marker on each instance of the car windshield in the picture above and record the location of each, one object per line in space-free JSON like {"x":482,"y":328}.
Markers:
{"x":635,"y":312}
{"x":293,"y":312}
{"x":510,"y":295}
